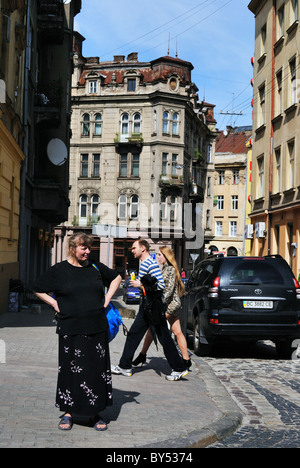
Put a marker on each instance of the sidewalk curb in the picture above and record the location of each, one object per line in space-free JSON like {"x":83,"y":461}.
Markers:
{"x":225,"y":426}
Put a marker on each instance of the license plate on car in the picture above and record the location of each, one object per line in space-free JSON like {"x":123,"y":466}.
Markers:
{"x":258,"y":304}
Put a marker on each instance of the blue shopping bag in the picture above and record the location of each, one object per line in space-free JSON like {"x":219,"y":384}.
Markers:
{"x":114,"y":321}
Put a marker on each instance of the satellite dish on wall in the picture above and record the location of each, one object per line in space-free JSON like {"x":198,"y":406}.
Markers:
{"x":57,"y":152}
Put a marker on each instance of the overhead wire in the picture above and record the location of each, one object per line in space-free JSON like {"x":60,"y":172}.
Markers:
{"x":161,"y":26}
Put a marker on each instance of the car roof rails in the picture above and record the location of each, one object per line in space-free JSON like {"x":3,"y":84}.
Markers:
{"x":273,"y":255}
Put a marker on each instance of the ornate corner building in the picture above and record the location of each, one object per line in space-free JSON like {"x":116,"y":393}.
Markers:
{"x":140,"y":150}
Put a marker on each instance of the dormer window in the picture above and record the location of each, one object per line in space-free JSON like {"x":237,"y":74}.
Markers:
{"x":132,"y":80}
{"x":174,"y":83}
{"x":92,"y":87}
{"x":131,"y":84}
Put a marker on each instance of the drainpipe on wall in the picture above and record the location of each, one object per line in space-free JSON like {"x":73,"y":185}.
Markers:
{"x":23,"y":230}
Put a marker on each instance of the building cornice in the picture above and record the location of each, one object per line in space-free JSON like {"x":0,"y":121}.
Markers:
{"x":256,"y":5}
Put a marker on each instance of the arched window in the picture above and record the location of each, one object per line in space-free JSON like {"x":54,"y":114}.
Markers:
{"x":232,"y":252}
{"x":124,"y":126}
{"x":136,"y":123}
{"x":83,"y":200}
{"x":98,"y":125}
{"x":175,"y":124}
{"x":95,"y":208}
{"x":122,"y":207}
{"x":86,"y":125}
{"x":166,"y":122}
{"x":134,"y":207}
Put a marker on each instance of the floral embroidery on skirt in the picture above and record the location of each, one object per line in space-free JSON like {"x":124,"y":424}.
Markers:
{"x":84,"y":384}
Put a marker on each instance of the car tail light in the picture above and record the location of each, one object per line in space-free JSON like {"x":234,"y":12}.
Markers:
{"x":214,"y":290}
{"x":297,"y":286}
{"x":214,"y":321}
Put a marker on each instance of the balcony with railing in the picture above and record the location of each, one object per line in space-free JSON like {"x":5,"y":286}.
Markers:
{"x":51,"y":20}
{"x":48,"y":102}
{"x":172,"y":182}
{"x":50,"y":200}
{"x":129,"y":139}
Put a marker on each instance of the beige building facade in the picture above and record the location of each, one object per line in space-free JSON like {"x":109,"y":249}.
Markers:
{"x":230,"y":191}
{"x":276,"y":131}
{"x":141,"y":143}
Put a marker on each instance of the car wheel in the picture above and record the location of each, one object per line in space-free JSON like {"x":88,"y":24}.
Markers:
{"x":200,"y":349}
{"x":284,"y":349}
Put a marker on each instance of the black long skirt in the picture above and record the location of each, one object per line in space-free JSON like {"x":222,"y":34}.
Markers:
{"x":84,"y":385}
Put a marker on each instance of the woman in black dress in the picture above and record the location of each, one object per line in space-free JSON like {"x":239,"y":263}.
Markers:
{"x":84,"y":386}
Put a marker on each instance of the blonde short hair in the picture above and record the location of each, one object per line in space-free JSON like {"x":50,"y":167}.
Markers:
{"x":80,"y":238}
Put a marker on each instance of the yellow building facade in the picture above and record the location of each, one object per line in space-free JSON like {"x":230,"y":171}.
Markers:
{"x":11,"y":157}
{"x":276,"y":131}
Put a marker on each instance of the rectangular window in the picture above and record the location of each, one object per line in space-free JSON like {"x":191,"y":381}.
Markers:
{"x":96,"y":165}
{"x":235,"y":177}
{"x":263,"y":36}
{"x":135,"y":171}
{"x":166,"y":122}
{"x":260,"y":188}
{"x":232,"y":228}
{"x":295,"y":11}
{"x":261,"y":118}
{"x":93,"y":87}
{"x":277,"y":181}
{"x":174,"y":164}
{"x":221,"y":177}
{"x":209,"y":154}
{"x":280,"y":22}
{"x":219,"y":228}
{"x":234,"y":202}
{"x":220,"y":202}
{"x":164,"y":165}
{"x":131,"y":84}
{"x":293,"y":84}
{"x":291,"y":151}
{"x":123,"y":165}
{"x":208,"y":186}
{"x":84,"y":165}
{"x":279,"y":92}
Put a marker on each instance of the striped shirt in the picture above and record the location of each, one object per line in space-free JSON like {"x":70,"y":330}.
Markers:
{"x":150,"y":267}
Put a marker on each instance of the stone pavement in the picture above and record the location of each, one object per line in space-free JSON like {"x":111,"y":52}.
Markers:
{"x":148,"y":410}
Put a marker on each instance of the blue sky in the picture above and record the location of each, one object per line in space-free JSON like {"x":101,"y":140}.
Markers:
{"x":216,"y":36}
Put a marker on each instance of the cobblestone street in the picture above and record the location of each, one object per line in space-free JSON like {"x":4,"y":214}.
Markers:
{"x":267,"y":391}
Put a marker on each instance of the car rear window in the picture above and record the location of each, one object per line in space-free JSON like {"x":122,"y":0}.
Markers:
{"x":256,"y":272}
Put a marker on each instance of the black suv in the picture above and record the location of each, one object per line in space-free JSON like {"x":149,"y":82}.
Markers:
{"x":242,"y":298}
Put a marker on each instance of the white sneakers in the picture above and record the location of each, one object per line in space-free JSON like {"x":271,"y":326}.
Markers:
{"x":118,"y":370}
{"x":177,"y":375}
{"x":128,"y":373}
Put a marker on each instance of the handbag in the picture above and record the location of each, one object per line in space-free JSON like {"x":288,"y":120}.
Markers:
{"x":114,"y":321}
{"x":114,"y":318}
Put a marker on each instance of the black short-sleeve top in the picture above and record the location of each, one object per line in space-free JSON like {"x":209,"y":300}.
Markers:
{"x":79,"y":292}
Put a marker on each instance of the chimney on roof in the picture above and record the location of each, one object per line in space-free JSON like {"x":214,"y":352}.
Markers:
{"x":133,"y":57}
{"x":119,"y":58}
